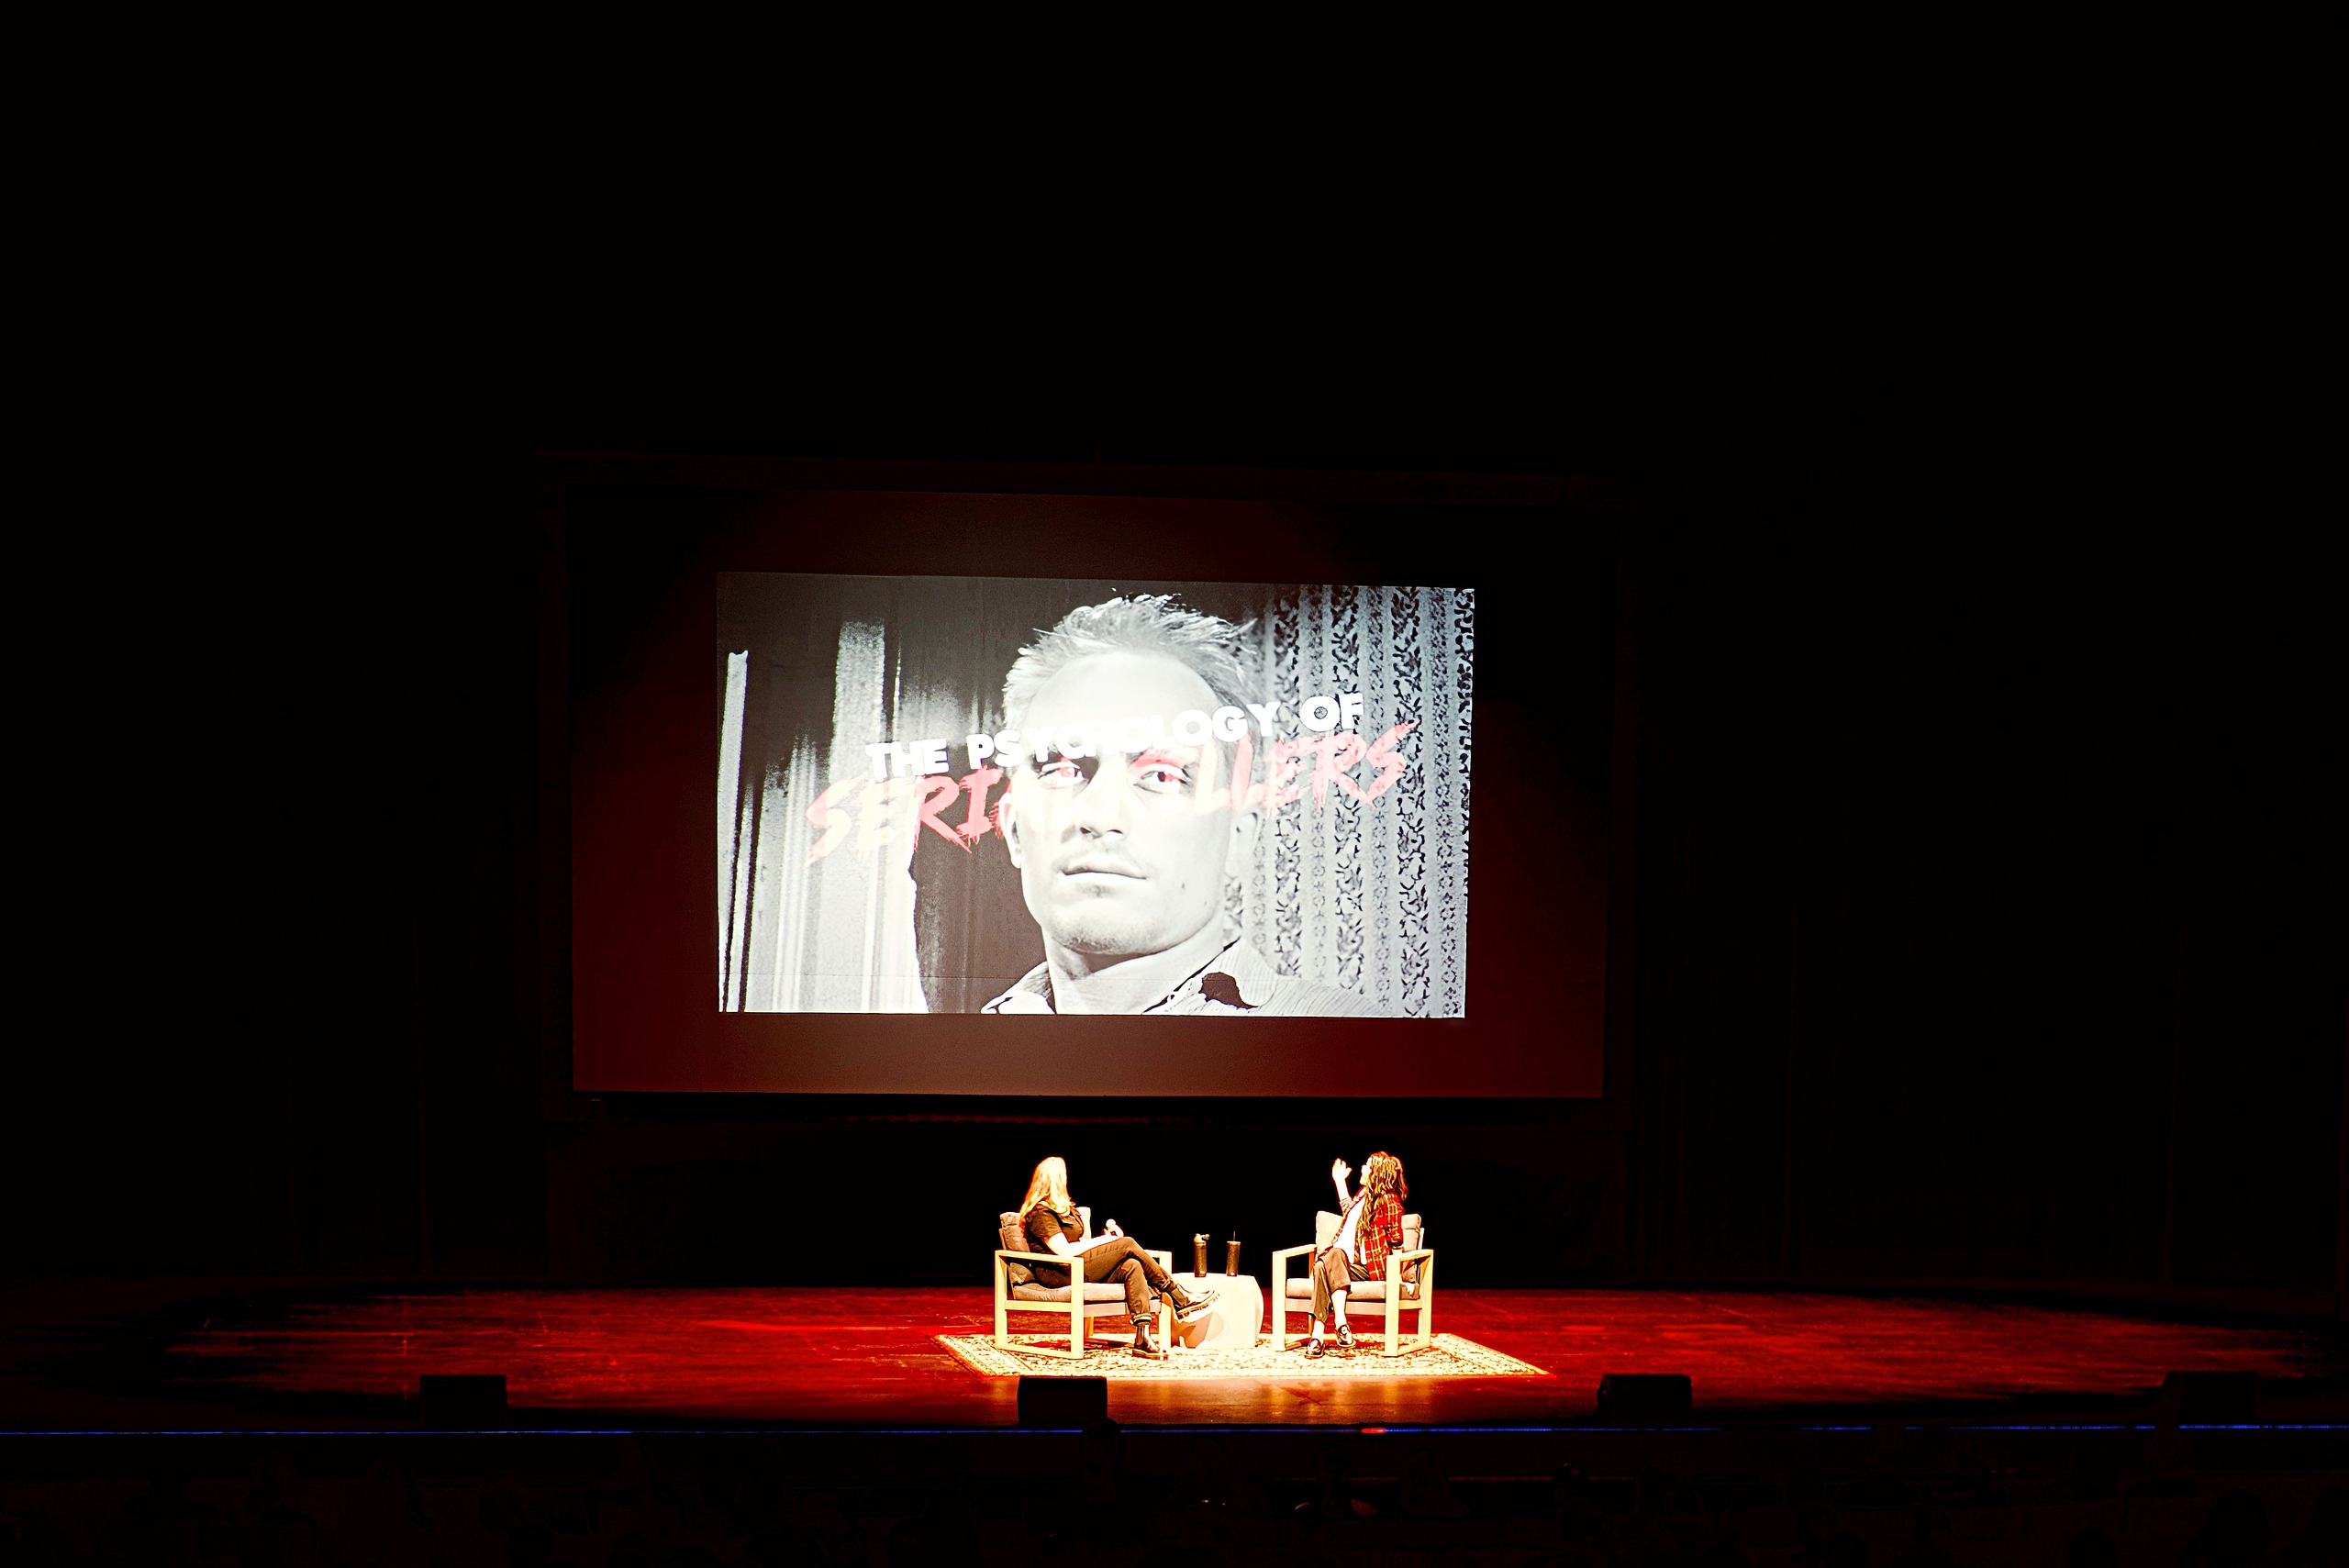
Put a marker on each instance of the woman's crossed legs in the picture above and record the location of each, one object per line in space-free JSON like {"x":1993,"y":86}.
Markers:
{"x":1124,"y":1261}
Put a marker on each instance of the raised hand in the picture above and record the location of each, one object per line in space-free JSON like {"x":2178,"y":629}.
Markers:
{"x":1111,"y":1228}
{"x":1340,"y":1170}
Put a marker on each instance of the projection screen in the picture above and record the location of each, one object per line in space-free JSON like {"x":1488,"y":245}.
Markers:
{"x":880,"y":795}
{"x":1010,"y":797}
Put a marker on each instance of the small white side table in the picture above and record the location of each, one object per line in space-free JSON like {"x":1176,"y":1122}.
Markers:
{"x":1232,"y":1323}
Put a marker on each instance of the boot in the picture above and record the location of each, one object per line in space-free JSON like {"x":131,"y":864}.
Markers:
{"x":1186,"y":1305}
{"x":1143,"y":1344}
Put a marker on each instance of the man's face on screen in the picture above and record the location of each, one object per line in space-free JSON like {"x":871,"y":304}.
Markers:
{"x":1116,"y":857}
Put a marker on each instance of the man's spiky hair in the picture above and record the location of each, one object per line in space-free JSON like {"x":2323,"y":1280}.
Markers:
{"x":1215,"y":650}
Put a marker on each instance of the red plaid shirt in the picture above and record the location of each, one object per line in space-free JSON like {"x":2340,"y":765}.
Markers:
{"x":1379,"y":1232}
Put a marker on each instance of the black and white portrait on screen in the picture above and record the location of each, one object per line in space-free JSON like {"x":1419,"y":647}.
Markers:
{"x":1014,"y":797}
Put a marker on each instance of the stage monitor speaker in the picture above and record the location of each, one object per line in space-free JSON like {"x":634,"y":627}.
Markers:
{"x":1062,"y":1401}
{"x":1645,"y":1399}
{"x":2209,"y":1399}
{"x":453,"y":1402}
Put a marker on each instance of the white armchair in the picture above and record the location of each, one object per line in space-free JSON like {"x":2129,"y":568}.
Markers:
{"x":1078,"y":1302}
{"x":1409,"y":1286}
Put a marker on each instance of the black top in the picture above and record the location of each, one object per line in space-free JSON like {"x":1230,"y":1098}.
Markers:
{"x":1042,"y":1225}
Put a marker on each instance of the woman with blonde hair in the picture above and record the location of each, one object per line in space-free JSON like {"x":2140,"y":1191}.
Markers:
{"x":1049,"y":1218}
{"x":1373,"y":1226}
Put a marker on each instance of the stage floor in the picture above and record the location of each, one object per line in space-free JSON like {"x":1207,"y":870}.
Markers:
{"x":873,"y":1356}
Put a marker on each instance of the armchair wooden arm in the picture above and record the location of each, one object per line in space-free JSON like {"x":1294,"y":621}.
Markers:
{"x":1030,"y":1257}
{"x":1165,"y":1260}
{"x":1280,"y":1291}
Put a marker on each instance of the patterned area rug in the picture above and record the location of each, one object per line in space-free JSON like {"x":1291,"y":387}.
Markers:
{"x":1450,"y":1356}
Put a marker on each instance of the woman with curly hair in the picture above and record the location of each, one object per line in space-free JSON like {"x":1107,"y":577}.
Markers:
{"x":1373,"y":1226}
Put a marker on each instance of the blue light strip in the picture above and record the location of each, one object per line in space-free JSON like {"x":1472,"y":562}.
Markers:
{"x":373,"y":1433}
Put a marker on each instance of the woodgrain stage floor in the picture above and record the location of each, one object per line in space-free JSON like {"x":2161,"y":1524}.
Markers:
{"x":872,"y":1357}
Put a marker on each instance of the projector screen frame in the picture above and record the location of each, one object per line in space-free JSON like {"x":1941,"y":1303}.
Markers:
{"x":1509,"y":502}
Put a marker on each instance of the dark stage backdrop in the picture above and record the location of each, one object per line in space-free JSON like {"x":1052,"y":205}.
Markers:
{"x":1985,"y":878}
{"x":1977,"y":860}
{"x":854,"y":924}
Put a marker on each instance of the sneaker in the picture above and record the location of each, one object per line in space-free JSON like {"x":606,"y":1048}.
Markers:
{"x":1345,"y":1339}
{"x":1315,"y":1350}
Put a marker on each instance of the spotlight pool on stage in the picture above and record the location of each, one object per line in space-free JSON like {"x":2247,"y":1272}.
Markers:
{"x":1449,"y":1356}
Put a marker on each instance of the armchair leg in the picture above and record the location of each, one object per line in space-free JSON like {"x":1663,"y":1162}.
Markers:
{"x":1283,"y":1308}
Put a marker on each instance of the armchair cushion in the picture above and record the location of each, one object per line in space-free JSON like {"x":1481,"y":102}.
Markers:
{"x":1095,"y":1290}
{"x":1011,"y":1239}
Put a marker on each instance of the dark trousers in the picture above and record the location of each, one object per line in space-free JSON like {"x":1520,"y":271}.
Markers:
{"x":1124,"y":1261}
{"x":1332,"y":1271}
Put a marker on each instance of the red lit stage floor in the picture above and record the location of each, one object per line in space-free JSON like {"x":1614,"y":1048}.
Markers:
{"x":871,"y":1356}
